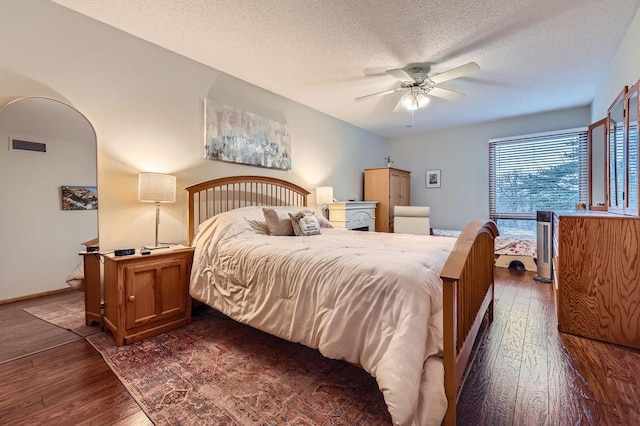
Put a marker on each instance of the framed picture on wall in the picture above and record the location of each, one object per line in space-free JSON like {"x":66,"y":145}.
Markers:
{"x":433,"y":178}
{"x":238,"y":136}
{"x":79,"y":197}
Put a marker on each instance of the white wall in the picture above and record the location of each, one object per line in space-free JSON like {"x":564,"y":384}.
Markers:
{"x":462,"y":155}
{"x":624,"y":70}
{"x":146,"y":105}
{"x":40,"y":241}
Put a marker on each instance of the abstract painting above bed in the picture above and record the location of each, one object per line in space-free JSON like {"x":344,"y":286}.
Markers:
{"x":372,"y":299}
{"x":242,"y":137}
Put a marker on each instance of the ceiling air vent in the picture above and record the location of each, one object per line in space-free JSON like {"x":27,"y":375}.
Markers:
{"x":28,"y":146}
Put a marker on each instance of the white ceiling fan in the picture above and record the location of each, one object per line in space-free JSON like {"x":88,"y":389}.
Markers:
{"x":418,"y":84}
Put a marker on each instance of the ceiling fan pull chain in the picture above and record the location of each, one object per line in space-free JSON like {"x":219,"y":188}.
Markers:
{"x":411,"y":125}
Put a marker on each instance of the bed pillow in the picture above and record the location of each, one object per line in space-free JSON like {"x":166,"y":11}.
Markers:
{"x":259,"y":226}
{"x":305,"y":223}
{"x":76,"y":277}
{"x":324,"y":222}
{"x":278,"y":222}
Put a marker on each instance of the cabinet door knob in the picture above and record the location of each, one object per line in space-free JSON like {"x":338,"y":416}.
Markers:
{"x":132,"y":298}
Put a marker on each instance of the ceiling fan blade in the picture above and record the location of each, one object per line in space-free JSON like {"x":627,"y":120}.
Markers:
{"x":401,"y":75}
{"x":386,"y":92}
{"x":447,"y":94}
{"x":399,"y":106}
{"x":457,"y":72}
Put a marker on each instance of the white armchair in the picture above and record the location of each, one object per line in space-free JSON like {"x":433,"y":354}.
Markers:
{"x":411,"y":220}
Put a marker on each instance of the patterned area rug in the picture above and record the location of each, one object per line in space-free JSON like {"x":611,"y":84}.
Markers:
{"x":68,"y":313}
{"x":216,"y":371}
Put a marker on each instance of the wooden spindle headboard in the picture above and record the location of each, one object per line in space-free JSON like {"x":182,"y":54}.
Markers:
{"x":207,"y":199}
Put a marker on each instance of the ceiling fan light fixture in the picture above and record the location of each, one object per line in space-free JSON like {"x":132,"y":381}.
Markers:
{"x":414,"y":100}
{"x":422,"y":100}
{"x":409,"y":102}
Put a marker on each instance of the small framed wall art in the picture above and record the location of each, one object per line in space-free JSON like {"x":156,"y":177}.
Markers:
{"x":433,"y":178}
{"x":79,"y":197}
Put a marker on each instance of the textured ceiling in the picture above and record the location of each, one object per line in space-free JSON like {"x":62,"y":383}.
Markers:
{"x":535,"y":55}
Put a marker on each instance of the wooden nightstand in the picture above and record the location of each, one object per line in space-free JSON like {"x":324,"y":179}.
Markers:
{"x":147,"y":295}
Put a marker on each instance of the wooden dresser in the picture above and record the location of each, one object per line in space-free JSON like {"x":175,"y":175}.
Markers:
{"x":147,"y":295}
{"x":597,"y":276}
{"x":389,"y":187}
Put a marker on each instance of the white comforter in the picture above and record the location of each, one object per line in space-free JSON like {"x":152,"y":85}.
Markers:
{"x":373,"y":299}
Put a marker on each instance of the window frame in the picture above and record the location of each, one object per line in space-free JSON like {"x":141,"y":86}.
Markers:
{"x":527,"y":141}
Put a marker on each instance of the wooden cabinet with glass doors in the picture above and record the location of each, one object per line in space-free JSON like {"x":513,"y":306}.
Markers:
{"x":596,"y":253}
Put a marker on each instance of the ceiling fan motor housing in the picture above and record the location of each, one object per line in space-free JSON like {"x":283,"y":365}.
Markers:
{"x":415,"y":72}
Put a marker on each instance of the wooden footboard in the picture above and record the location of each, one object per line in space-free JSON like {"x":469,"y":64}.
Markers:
{"x":468,"y":294}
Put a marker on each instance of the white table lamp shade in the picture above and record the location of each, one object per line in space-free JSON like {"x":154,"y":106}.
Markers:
{"x":156,"y":188}
{"x":324,"y":195}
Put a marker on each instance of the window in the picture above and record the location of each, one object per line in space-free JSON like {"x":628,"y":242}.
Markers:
{"x":546,"y":171}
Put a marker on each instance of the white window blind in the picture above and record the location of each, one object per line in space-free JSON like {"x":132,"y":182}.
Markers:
{"x":537,"y":172}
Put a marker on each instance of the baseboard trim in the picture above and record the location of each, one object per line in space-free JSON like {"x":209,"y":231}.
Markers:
{"x":35,"y":296}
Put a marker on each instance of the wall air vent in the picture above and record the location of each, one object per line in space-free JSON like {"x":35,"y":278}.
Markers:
{"x":28,"y":146}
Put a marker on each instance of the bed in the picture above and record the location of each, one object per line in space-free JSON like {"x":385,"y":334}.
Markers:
{"x":406,"y":308}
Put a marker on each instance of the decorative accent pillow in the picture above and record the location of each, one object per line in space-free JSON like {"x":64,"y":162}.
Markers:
{"x":278,"y":223}
{"x":305,"y":224}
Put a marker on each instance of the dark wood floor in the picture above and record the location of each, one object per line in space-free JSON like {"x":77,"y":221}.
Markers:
{"x":525,"y":372}
{"x":22,"y":333}
{"x":49,"y":375}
